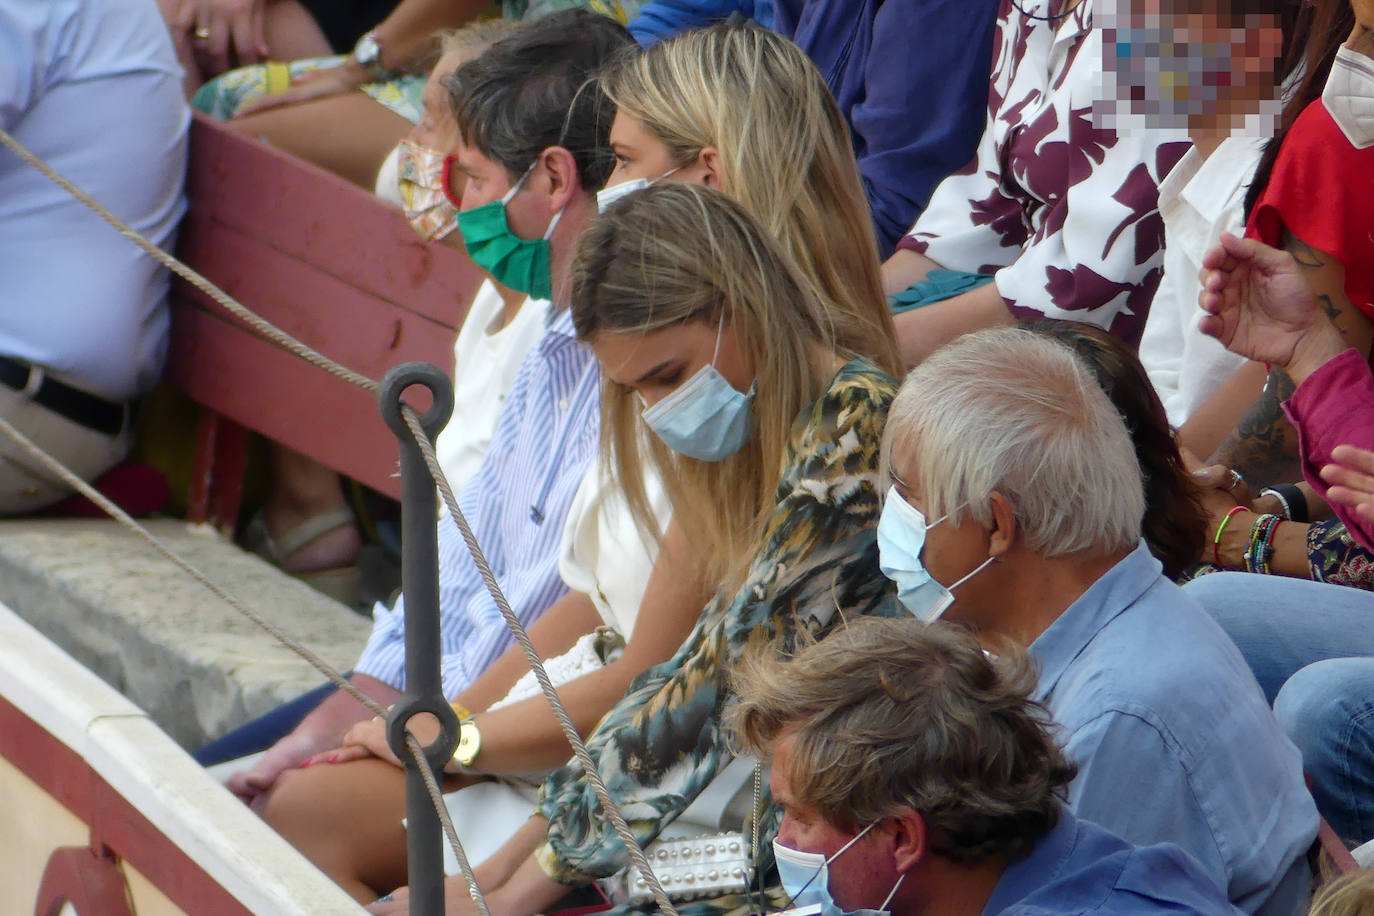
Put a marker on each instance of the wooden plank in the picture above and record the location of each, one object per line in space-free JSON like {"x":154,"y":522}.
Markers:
{"x":349,"y":325}
{"x":272,"y":392}
{"x":304,"y":211}
{"x":329,"y":264}
{"x":203,"y":466}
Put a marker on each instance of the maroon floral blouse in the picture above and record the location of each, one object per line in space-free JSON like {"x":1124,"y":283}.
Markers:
{"x":1064,"y":213}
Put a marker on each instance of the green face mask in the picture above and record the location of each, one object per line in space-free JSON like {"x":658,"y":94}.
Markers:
{"x":520,"y":264}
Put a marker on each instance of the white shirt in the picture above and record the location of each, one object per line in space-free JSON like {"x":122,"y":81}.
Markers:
{"x":388,"y":183}
{"x":1198,"y":200}
{"x":485,"y":366}
{"x":603,"y":553}
{"x":92,"y":87}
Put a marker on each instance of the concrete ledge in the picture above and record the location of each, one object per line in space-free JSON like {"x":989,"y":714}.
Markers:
{"x":161,"y":638}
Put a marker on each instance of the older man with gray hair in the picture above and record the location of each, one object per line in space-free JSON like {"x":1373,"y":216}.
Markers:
{"x":1005,"y":441}
{"x":916,"y":775}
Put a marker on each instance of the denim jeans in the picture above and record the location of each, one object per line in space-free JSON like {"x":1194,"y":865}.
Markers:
{"x":1311,"y":647}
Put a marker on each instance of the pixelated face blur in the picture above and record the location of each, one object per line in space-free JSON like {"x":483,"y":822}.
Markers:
{"x":1188,"y":65}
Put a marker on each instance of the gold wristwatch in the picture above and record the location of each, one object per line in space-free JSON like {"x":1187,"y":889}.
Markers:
{"x":469,"y":743}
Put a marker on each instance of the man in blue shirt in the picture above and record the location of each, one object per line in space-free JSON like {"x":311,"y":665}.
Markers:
{"x":533,"y":147}
{"x":93,"y":88}
{"x":916,"y":775}
{"x":1017,"y":505}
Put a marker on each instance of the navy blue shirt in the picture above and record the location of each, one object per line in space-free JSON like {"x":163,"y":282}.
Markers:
{"x":1079,"y":867}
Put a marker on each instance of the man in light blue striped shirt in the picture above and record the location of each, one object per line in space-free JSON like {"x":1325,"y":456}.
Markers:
{"x":546,"y":147}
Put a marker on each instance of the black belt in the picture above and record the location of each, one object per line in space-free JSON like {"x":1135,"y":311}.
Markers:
{"x":89,"y":410}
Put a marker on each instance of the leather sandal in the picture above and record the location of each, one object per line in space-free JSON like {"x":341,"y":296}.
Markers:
{"x":338,"y":582}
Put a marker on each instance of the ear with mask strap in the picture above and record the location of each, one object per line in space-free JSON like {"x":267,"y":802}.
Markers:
{"x":806,"y":891}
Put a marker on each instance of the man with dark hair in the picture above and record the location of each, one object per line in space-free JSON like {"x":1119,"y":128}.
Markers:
{"x":915,"y":775}
{"x":532,"y":150}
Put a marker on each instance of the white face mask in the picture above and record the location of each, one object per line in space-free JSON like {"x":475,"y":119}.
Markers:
{"x":705,"y":417}
{"x":1349,"y":96}
{"x":607,"y":196}
{"x":901,"y":540}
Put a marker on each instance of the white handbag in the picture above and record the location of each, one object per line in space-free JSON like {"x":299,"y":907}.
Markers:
{"x":692,"y":858}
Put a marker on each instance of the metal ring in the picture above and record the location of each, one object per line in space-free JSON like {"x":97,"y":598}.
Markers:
{"x":1236,"y":479}
{"x":202,"y":33}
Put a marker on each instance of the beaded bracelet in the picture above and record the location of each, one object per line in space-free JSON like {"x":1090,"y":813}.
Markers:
{"x":1267,"y":548}
{"x":1282,"y":500}
{"x":1261,"y":547}
{"x":1216,"y":539}
{"x":1256,"y":537}
{"x":1295,"y":500}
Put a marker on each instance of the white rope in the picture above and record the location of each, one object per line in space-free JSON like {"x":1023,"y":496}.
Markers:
{"x":315,"y":358}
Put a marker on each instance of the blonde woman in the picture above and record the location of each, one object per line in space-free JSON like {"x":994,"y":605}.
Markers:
{"x":742,"y":109}
{"x":347,"y":818}
{"x":751,"y":397}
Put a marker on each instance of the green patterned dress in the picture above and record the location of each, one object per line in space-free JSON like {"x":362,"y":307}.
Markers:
{"x":660,"y":746}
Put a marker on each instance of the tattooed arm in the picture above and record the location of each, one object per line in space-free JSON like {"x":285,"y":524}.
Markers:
{"x":1263,"y":445}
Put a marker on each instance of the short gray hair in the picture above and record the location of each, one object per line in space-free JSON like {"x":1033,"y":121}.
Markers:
{"x":1009,"y":410}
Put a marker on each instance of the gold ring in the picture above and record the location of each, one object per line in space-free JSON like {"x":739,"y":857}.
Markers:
{"x":202,"y":33}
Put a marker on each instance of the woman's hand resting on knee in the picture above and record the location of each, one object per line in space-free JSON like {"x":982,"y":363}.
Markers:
{"x":368,"y":739}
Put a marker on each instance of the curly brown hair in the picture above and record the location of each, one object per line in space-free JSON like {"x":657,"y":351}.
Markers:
{"x":892,"y":714}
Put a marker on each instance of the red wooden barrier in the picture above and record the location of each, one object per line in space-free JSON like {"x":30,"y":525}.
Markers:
{"x":331,"y":265}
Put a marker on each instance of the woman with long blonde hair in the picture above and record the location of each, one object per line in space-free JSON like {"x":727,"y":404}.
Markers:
{"x":713,"y":344}
{"x":742,"y":109}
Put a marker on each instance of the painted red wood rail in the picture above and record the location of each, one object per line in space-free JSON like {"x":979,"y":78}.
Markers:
{"x":330,"y":264}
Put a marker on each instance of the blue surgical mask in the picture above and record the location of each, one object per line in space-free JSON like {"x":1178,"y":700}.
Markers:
{"x":806,"y":879}
{"x":901,"y":539}
{"x":705,"y":417}
{"x":607,"y":196}
{"x":519,"y":264}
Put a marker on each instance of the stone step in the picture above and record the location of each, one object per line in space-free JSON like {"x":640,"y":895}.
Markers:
{"x":194,"y":664}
